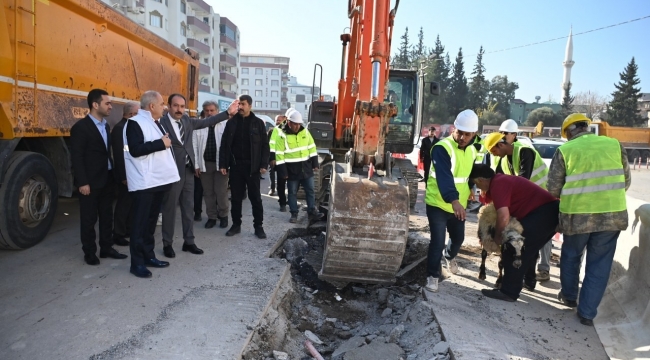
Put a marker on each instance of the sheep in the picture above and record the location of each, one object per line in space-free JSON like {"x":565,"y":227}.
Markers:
{"x":512,"y":239}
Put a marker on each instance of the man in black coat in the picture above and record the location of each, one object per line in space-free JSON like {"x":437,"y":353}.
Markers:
{"x":122,"y":212}
{"x":90,"y":145}
{"x":245,"y":151}
{"x":425,"y":151}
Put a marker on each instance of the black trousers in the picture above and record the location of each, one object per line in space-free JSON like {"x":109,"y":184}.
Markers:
{"x":99,"y":203}
{"x":539,"y":227}
{"x":241,"y":179}
{"x":198,"y":196}
{"x":146,"y":206}
{"x":427,"y":167}
{"x":281,"y":186}
{"x":122,"y":213}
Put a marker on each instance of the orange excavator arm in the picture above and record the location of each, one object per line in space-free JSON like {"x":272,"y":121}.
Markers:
{"x":361,"y":112}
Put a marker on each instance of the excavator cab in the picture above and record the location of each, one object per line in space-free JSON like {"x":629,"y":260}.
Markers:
{"x":403,"y":93}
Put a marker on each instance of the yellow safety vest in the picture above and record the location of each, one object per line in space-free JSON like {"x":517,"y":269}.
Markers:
{"x":595,"y":179}
{"x":292,"y":148}
{"x":462,"y":162}
{"x":480,"y":155}
{"x":539,"y":174}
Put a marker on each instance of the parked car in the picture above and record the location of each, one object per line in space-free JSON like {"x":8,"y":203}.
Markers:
{"x":547,"y":148}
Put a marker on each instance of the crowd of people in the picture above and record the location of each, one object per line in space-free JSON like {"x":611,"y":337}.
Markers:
{"x":580,"y":195}
{"x":160,"y":159}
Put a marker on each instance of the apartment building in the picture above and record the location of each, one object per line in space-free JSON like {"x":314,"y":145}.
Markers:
{"x":193,"y":24}
{"x":301,"y":97}
{"x":265,"y":78}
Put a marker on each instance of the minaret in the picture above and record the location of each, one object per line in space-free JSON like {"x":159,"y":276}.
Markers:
{"x":568,"y":64}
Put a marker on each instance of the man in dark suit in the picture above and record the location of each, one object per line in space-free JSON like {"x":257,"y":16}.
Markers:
{"x":90,"y":144}
{"x":122,"y":213}
{"x":180,"y":128}
{"x":425,"y":151}
{"x":245,"y":152}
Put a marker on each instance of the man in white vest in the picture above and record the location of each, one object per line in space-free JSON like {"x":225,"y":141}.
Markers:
{"x":150,"y":171}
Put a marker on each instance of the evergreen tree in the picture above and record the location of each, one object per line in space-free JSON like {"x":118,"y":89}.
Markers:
{"x":419,"y":50}
{"x":403,"y":58}
{"x":502,"y":92}
{"x":567,"y":102}
{"x":458,"y":89}
{"x":479,"y":86}
{"x":623,"y":110}
{"x":435,"y":109}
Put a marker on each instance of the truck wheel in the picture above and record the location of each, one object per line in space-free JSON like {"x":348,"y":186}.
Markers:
{"x":634,"y":154}
{"x":645,"y":155}
{"x":29,"y":196}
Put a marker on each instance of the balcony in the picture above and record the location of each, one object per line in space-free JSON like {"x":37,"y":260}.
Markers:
{"x":199,"y":5}
{"x":204,"y":87}
{"x":227,"y":77}
{"x":228,"y":94}
{"x":223,"y":39}
{"x":228,"y":59}
{"x":198,"y":46}
{"x":197,"y":25}
{"x":284,"y":99}
{"x":204,"y":69}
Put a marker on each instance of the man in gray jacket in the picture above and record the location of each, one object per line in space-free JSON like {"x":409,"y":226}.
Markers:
{"x":180,"y":128}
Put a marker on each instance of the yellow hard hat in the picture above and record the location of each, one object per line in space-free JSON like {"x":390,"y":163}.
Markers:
{"x":574,"y":118}
{"x":492,"y":139}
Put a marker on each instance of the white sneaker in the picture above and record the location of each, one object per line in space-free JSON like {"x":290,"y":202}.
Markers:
{"x":159,"y":222}
{"x":452,"y":265}
{"x":432,"y":284}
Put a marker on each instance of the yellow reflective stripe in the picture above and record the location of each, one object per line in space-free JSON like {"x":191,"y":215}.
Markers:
{"x":297,"y":159}
{"x":593,"y":188}
{"x":278,"y":162}
{"x":538,"y":170}
{"x":297,"y":149}
{"x":542,"y":180}
{"x":595,"y":174}
{"x":279,"y":152}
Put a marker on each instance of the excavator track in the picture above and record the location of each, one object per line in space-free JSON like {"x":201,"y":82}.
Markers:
{"x":412,"y":176}
{"x":367,"y":228}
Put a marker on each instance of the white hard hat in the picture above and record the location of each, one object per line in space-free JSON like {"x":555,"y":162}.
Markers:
{"x":509,"y":126}
{"x":295,"y":117}
{"x":466,"y":121}
{"x":289,"y":111}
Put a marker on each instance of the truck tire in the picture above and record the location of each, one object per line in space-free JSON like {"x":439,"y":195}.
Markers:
{"x":29,"y":196}
{"x":645,"y":155}
{"x":634,"y":155}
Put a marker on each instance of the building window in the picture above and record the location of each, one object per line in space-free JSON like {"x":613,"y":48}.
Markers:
{"x":244,"y":91}
{"x":244,"y":81}
{"x":259,"y":71}
{"x":274,"y":104}
{"x":244,"y":71}
{"x":183,"y":30}
{"x":258,"y":104}
{"x":274,"y":93}
{"x":183,"y":7}
{"x":306,"y":107}
{"x":258,"y":93}
{"x":158,"y":1}
{"x":258,"y":82}
{"x":155,"y":20}
{"x":275,"y":71}
{"x":275,"y":83}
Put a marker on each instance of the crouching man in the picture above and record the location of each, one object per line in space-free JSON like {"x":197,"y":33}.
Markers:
{"x":535,"y":208}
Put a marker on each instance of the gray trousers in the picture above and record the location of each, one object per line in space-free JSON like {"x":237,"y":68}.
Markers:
{"x":215,"y":191}
{"x":545,"y":257}
{"x":181,"y":193}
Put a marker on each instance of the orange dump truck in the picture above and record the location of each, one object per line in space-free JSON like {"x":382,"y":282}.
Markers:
{"x":635,"y":140}
{"x":52,"y":52}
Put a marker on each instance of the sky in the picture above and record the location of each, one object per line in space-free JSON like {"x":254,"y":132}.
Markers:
{"x":308,"y":32}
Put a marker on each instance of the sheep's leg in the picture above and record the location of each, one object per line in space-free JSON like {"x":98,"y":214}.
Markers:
{"x":497,"y":285}
{"x":481,"y":272}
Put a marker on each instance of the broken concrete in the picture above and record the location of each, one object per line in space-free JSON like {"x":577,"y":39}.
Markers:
{"x":375,"y":351}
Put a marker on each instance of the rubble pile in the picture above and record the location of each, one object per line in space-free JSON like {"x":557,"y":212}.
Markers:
{"x":348,"y":321}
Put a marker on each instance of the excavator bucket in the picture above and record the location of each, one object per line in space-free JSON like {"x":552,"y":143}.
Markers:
{"x":367,"y":230}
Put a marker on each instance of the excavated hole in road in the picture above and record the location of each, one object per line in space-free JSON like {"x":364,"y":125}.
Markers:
{"x":351,"y":321}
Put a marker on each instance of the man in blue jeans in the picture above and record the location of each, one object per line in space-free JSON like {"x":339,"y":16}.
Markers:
{"x":447,"y":193}
{"x":296,"y":160}
{"x":590,"y":174}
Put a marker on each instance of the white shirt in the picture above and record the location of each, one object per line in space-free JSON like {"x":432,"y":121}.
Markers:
{"x":175,"y":126}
